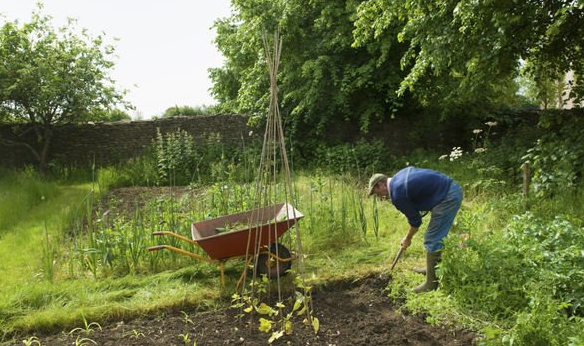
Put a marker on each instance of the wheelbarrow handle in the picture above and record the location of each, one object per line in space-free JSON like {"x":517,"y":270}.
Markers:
{"x":158,"y":233}
{"x":157,"y":247}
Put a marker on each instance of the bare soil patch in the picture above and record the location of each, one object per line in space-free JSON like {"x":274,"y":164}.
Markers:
{"x":350,"y":313}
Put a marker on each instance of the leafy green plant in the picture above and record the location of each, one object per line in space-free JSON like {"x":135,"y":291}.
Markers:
{"x":79,"y":341}
{"x":557,"y":157}
{"x":177,"y":157}
{"x":278,"y":320}
{"x":186,"y":338}
{"x":186,"y":318}
{"x":133,"y":334}
{"x":530,"y":276}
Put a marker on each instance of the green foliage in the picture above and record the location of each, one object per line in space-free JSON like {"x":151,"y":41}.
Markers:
{"x":529,"y":276}
{"x":140,"y":171}
{"x":363,"y":156}
{"x":117,"y":115}
{"x":540,"y":322}
{"x":177,"y":157}
{"x":543,"y":90}
{"x":187,"y":111}
{"x":50,"y":77}
{"x":557,"y":158}
{"x":471,"y":50}
{"x":322,"y":78}
{"x":180,"y":162}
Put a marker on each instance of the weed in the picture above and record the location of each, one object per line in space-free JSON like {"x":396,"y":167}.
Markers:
{"x":33,"y":340}
{"x":133,"y":334}
{"x":186,"y":339}
{"x":277,"y":320}
{"x":79,"y":341}
{"x":87,"y":327}
{"x":186,"y":318}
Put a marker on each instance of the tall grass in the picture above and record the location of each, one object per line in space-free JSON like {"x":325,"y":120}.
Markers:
{"x":19,"y":193}
{"x":110,"y":243}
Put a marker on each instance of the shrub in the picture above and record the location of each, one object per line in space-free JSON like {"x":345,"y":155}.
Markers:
{"x":176,"y":157}
{"x":531,"y":276}
{"x":557,"y":157}
{"x":367,"y":156}
{"x":186,"y":111}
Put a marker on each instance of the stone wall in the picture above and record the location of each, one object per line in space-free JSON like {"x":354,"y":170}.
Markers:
{"x":109,"y":143}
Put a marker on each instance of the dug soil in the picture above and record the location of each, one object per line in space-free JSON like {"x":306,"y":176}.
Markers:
{"x":350,"y":313}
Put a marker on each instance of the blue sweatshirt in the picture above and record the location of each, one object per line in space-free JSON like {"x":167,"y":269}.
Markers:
{"x":415,"y":190}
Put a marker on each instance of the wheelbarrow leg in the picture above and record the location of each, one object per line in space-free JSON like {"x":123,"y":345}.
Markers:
{"x":222,"y":269}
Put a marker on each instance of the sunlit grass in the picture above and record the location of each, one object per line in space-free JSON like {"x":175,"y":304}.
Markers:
{"x":22,"y":247}
{"x":45,"y":306}
{"x":19,"y":193}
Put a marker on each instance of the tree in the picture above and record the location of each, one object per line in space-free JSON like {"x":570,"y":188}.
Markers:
{"x":50,"y":77}
{"x":186,"y":111}
{"x":474,"y":47}
{"x":322,"y":78}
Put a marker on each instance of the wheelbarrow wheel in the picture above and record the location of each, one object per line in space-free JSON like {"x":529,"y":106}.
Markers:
{"x":270,"y":265}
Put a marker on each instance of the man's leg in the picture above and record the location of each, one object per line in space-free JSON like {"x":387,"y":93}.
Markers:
{"x":440,"y":223}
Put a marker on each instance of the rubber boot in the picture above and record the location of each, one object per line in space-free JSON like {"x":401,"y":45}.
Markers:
{"x":419,"y":270}
{"x":432,"y":259}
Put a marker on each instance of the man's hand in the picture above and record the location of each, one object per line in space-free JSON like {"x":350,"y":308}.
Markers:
{"x":406,"y":241}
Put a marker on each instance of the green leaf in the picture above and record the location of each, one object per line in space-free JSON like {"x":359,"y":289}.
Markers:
{"x":315,"y":324}
{"x":265,"y":325}
{"x":275,"y":336}
{"x":265,"y":309}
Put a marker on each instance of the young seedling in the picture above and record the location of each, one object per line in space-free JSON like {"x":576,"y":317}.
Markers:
{"x":33,"y":340}
{"x":133,"y":334}
{"x":87,"y":329}
{"x":186,"y":338}
{"x":84,"y":341}
{"x":186,"y":318}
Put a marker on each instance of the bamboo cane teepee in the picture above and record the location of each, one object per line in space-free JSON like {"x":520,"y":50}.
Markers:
{"x":274,"y":185}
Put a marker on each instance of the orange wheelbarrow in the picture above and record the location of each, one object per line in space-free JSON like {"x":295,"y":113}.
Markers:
{"x":243,"y":235}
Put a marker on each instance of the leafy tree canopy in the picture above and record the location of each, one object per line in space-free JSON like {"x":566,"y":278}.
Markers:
{"x":475,"y":47}
{"x":49,"y":77}
{"x":322,"y":78}
{"x":186,"y":111}
{"x":114,"y":115}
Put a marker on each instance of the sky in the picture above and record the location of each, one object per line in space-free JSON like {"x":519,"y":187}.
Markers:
{"x":164,"y":50}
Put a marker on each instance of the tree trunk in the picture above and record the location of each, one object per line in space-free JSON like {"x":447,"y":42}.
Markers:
{"x":45,"y":141}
